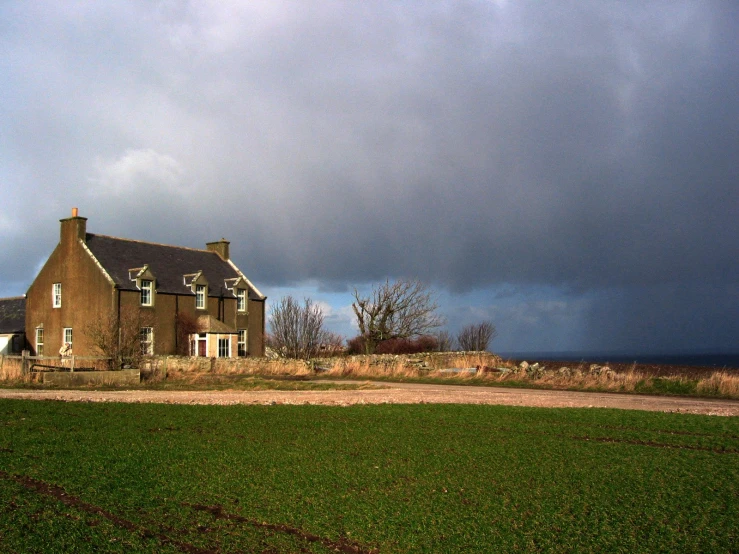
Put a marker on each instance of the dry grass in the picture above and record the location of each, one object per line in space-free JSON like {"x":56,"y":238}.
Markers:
{"x":720,"y":383}
{"x":10,"y":370}
{"x":406,"y":366}
{"x":188,"y":370}
{"x":362,"y":367}
{"x":464,"y":360}
{"x":723,"y":384}
{"x":582,"y":379}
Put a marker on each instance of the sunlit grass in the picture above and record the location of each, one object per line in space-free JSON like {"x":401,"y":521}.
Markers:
{"x":389,"y":478}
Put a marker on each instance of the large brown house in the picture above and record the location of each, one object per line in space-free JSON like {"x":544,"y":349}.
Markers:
{"x":91,"y":278}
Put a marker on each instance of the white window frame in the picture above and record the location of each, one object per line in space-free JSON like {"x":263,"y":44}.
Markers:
{"x":147,"y":292}
{"x":39,"y":343}
{"x":67,"y":335}
{"x":222,"y":353}
{"x":56,"y":295}
{"x":241,"y":300}
{"x":201,"y":293}
{"x":146,"y":338}
{"x":241,"y":343}
{"x":195,"y":344}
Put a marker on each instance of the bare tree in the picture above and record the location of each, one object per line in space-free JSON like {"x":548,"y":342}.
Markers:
{"x":403,"y":309}
{"x":332,"y":344}
{"x":118,"y":336}
{"x":444,"y":341}
{"x":186,"y":325}
{"x":297,"y":331}
{"x":477,"y":337}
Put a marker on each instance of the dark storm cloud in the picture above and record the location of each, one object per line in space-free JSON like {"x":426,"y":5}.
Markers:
{"x":680,"y":316}
{"x":582,"y":146}
{"x":584,"y":150}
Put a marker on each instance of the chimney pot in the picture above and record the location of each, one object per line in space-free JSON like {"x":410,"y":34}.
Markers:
{"x":73,"y":228}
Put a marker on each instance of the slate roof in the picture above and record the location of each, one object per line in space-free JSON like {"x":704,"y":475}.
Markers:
{"x":12,"y":315}
{"x":209,"y":324}
{"x":167,"y":263}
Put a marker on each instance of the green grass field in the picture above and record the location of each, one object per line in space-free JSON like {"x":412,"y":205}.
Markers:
{"x":424,"y":478}
{"x":205,"y":381}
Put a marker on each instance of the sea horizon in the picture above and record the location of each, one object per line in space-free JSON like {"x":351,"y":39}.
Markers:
{"x":689,"y":358}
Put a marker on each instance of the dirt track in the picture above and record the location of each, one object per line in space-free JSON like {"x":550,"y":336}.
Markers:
{"x":398,"y":393}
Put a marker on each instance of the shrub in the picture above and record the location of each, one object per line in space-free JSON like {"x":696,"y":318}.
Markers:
{"x":118,"y":337}
{"x":356,"y":345}
{"x":332,"y":345}
{"x":185,"y":325}
{"x":423,"y":343}
{"x":445,"y":341}
{"x":477,"y":337}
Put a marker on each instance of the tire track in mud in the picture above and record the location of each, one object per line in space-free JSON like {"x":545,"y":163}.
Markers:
{"x":653,"y":444}
{"x":58,"y":493}
{"x":619,"y":440}
{"x":345,"y":546}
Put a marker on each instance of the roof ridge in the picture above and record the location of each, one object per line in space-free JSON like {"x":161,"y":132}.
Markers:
{"x":154,"y":243}
{"x":22,"y":297}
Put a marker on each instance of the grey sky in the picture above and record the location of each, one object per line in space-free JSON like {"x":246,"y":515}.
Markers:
{"x":567,"y":168}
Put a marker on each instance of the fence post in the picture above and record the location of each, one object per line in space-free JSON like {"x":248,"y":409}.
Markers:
{"x":24,"y":362}
{"x":71,"y":367}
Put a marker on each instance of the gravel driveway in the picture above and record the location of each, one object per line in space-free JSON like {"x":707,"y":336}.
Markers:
{"x":398,"y":393}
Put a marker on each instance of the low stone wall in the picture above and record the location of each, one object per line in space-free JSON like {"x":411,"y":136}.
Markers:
{"x":124,"y":377}
{"x":161,"y":366}
{"x":422,"y":361}
{"x":164,"y":365}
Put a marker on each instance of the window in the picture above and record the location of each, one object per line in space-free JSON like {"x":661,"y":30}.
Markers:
{"x":242,"y":342}
{"x":67,"y":335}
{"x":56,"y":295}
{"x":200,"y":297}
{"x":241,"y":300}
{"x":147,"y":288}
{"x":224,"y":348}
{"x":147,"y":341}
{"x":39,"y":342}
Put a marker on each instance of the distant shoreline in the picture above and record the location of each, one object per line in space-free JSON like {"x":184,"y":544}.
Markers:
{"x":713,"y":360}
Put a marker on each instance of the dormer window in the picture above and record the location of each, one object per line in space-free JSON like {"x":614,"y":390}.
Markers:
{"x":147,"y":288}
{"x":198,"y":284}
{"x":200,"y":295}
{"x":144,"y":279}
{"x":239,"y":287}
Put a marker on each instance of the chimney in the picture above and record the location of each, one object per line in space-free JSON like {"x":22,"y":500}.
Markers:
{"x":73,"y":228}
{"x":219,"y":247}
